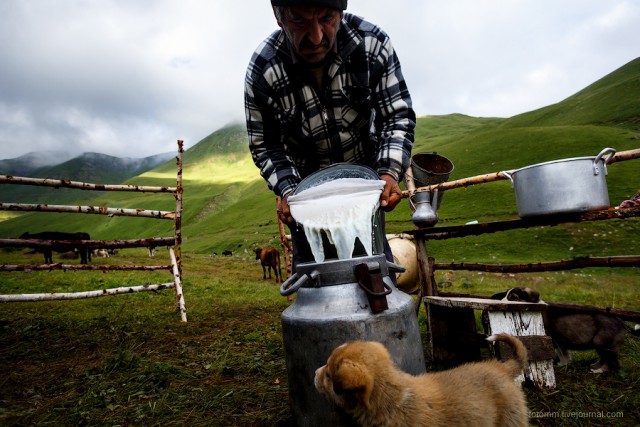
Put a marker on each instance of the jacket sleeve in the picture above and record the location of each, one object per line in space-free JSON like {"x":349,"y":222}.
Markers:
{"x":266,"y":133}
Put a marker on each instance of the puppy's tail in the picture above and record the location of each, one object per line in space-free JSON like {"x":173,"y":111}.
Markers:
{"x":518,"y":363}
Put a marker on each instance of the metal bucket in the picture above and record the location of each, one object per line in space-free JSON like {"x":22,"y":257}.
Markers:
{"x":430,"y":169}
{"x":331,"y":308}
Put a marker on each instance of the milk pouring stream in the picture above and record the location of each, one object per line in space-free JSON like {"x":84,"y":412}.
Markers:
{"x":342,"y":209}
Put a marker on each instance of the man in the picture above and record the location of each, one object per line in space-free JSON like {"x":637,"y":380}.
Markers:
{"x":326,"y":88}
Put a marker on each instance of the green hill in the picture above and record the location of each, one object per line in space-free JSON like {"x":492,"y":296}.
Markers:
{"x":228,"y":206}
{"x":611,"y":101}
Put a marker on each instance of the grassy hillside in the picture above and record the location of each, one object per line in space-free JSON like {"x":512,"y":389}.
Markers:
{"x":228,"y":205}
{"x":611,"y":101}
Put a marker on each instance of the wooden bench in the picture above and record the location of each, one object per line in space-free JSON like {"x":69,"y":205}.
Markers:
{"x":454,"y":336}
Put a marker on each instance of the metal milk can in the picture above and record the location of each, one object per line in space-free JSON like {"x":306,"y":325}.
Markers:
{"x":339,"y":301}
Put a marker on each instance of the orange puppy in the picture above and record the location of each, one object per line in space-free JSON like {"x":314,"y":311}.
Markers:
{"x":361,"y":378}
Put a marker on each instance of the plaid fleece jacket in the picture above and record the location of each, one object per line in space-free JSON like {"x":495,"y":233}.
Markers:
{"x":362,"y":114}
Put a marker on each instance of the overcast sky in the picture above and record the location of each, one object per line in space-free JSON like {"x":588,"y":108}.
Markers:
{"x":130,"y":77}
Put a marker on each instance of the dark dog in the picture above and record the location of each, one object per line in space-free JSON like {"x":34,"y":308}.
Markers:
{"x":578,"y":329}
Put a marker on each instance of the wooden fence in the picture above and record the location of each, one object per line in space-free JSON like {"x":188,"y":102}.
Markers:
{"x":172,"y":243}
{"x":427,"y":264}
{"x":451,"y":318}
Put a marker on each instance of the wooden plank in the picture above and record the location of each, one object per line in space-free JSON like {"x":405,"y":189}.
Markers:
{"x":628,"y":315}
{"x":97,"y":210}
{"x":441,"y":233}
{"x":177,"y":248}
{"x":177,"y":280}
{"x":520,"y":324}
{"x":86,"y":294}
{"x":78,"y":267}
{"x":538,"y":348}
{"x":90,"y":244}
{"x":424,"y":271}
{"x":453,"y":335}
{"x":485,"y":304}
{"x":66,"y":183}
{"x":572,"y":264}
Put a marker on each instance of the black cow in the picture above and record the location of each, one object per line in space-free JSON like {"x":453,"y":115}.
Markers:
{"x":85,"y":255}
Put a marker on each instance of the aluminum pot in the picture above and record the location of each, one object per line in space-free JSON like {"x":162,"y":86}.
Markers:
{"x":564,"y":186}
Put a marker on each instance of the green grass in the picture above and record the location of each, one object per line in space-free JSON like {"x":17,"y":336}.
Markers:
{"x":128,"y":360}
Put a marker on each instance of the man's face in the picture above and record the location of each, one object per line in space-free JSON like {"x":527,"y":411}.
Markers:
{"x":311,"y":30}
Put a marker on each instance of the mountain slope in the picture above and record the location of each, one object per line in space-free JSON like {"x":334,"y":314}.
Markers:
{"x":89,"y":167}
{"x":26,"y":164}
{"x":612,"y":101}
{"x":228,"y":206}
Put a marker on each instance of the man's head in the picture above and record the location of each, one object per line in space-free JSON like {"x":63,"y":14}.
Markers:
{"x":310,"y":25}
{"x":333,"y":4}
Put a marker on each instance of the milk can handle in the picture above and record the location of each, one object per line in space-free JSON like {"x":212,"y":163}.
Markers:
{"x":288,"y":288}
{"x":396,"y":268}
{"x":387,"y":290}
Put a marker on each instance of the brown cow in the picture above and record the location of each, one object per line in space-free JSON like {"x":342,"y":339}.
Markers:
{"x":270,"y":259}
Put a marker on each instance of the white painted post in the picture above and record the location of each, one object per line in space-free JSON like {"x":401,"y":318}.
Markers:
{"x":525,"y":323}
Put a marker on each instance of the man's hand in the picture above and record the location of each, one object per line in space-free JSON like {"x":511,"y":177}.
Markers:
{"x":391,"y":194}
{"x":284,"y":212}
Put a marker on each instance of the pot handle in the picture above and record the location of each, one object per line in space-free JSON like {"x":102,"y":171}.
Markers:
{"x":508,"y":175}
{"x":607,"y":151}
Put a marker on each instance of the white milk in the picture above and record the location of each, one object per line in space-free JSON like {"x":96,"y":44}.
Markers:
{"x":343,"y":209}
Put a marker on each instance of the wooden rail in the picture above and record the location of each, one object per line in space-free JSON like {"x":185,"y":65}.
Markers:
{"x":572,"y":264}
{"x":65,"y":183}
{"x":449,"y":232}
{"x":89,"y":244}
{"x":497,"y":176}
{"x":98,"y":210}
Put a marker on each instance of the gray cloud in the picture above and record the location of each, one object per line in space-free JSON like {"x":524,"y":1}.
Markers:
{"x":129,"y":78}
